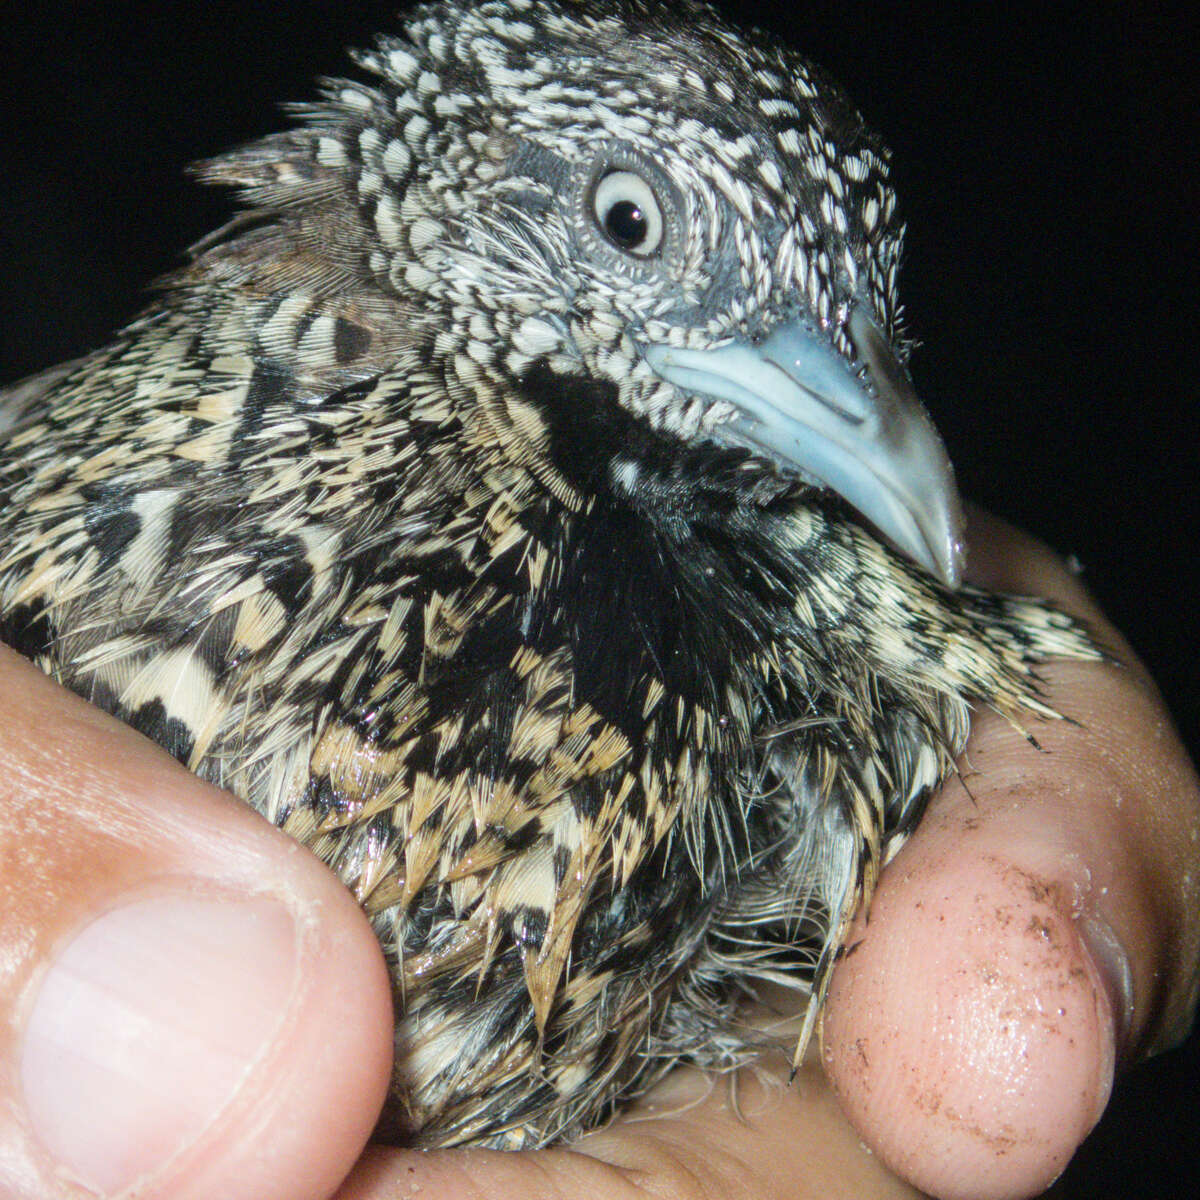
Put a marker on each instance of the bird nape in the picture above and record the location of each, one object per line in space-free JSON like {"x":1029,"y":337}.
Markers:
{"x":525,"y":505}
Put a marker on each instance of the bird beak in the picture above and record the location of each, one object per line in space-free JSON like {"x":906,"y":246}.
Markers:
{"x":870,"y":440}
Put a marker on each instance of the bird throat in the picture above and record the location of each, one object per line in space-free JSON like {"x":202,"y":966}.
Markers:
{"x":671,"y":570}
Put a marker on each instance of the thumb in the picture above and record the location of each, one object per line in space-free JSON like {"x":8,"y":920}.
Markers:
{"x":190,"y":1004}
{"x":1037,"y":930}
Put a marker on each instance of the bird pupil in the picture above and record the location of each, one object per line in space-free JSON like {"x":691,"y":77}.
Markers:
{"x":626,"y":224}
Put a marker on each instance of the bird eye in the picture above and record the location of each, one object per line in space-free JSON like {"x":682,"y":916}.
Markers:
{"x":627,"y":212}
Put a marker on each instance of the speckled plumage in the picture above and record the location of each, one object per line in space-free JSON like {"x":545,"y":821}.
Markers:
{"x":383,"y":518}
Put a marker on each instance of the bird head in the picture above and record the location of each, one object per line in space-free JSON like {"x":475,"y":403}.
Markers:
{"x":686,"y":227}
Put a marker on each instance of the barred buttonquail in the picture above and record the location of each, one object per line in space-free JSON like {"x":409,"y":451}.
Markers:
{"x":525,"y":505}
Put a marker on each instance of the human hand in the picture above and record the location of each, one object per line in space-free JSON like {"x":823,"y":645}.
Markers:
{"x":971,"y":1034}
{"x":188,"y":1000}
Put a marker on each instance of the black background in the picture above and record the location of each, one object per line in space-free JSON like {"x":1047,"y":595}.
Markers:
{"x":1045,"y":158}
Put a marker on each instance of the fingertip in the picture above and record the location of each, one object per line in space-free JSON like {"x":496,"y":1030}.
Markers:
{"x":970,"y":1036}
{"x":191,"y":1004}
{"x":309,"y":1103}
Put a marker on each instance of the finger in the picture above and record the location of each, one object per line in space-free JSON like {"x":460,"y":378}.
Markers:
{"x":1035,"y":929}
{"x":189,"y":1002}
{"x":1125,"y":739}
{"x":694,"y":1137}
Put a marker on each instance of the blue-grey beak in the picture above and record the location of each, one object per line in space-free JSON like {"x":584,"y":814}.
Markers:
{"x":800,"y":403}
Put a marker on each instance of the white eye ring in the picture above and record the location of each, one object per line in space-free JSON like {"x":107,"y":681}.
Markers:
{"x":627,"y":213}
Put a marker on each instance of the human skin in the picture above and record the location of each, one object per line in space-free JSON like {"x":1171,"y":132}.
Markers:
{"x":192,"y":1005}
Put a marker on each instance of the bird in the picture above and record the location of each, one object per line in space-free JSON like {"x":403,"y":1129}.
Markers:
{"x":525,"y":504}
